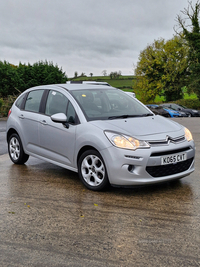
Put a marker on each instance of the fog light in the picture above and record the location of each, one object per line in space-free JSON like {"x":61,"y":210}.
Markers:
{"x":131,"y":168}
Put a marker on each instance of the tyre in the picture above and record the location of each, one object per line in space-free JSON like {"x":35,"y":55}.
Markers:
{"x":15,"y":150}
{"x":92,"y":170}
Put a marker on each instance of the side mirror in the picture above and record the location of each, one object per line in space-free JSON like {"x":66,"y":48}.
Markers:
{"x":60,"y":118}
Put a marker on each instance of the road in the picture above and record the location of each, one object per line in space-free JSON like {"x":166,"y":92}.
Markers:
{"x":48,"y":218}
{"x":3,"y":144}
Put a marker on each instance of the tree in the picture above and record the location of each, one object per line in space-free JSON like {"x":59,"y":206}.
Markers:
{"x":40,"y":73}
{"x":161,"y":70}
{"x":15,"y":79}
{"x":190,"y":31}
{"x":104,"y":72}
{"x":91,"y":74}
{"x":9,"y":80}
{"x":115,"y":75}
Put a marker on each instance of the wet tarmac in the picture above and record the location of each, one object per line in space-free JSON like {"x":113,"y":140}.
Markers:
{"x":3,"y":144}
{"x":48,"y":218}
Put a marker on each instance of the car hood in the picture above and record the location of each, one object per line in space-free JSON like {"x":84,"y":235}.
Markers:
{"x":143,"y":128}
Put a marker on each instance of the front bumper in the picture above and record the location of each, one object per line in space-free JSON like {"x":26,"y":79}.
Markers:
{"x":143,"y":166}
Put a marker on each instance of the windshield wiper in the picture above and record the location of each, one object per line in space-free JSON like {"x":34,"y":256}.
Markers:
{"x":146,"y":115}
{"x":129,"y":116}
{"x":123,"y":117}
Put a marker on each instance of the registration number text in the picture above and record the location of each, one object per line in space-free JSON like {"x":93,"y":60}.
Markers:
{"x":171,"y":159}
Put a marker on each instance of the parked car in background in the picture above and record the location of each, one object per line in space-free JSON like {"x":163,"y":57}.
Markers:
{"x":174,"y":113}
{"x":130,"y":93}
{"x":158,"y":110}
{"x":190,"y":112}
{"x":100,"y":132}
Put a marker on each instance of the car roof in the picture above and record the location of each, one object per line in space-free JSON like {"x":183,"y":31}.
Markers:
{"x":170,"y":104}
{"x":78,"y":86}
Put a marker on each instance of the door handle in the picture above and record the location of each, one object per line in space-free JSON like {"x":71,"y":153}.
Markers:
{"x":43,"y":122}
{"x":21,"y":116}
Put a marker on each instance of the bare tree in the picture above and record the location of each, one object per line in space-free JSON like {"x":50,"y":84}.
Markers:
{"x":104,"y":72}
{"x":189,"y":19}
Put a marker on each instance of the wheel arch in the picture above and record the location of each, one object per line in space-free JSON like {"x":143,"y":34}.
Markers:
{"x":82,"y":150}
{"x":10,"y":132}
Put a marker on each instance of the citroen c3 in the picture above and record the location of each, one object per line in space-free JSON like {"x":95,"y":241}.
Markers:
{"x":100,"y":132}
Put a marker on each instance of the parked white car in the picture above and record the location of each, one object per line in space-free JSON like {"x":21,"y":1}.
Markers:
{"x":130,"y":93}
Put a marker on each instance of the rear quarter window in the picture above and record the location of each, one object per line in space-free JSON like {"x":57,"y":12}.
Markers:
{"x":20,"y":101}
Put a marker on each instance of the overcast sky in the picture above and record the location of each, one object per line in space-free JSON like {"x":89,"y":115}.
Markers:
{"x":84,"y":35}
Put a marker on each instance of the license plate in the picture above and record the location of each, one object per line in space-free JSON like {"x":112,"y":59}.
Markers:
{"x":174,"y":158}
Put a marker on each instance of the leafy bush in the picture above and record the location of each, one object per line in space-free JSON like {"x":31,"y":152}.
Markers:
{"x":15,"y":79}
{"x":189,"y":103}
{"x":5,"y":105}
{"x":1,"y":102}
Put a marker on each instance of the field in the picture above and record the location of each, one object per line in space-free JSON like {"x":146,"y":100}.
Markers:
{"x":124,"y":82}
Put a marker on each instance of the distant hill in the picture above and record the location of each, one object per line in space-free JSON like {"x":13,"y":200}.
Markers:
{"x":123,"y":82}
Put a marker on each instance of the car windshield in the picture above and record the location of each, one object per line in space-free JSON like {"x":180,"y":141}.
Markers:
{"x":183,"y":106}
{"x":108,"y":104}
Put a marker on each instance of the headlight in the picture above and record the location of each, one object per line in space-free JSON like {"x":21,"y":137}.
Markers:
{"x":125,"y":141}
{"x":188,"y":135}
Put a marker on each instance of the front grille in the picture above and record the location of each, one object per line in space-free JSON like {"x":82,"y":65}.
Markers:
{"x":169,"y":169}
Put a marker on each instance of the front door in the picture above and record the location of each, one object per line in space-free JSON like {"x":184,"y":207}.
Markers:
{"x":57,"y":142}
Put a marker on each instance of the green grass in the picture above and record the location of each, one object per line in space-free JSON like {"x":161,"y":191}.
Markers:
{"x":123,"y":82}
{"x":160,"y":99}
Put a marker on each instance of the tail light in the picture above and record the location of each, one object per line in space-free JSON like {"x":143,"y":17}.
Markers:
{"x":9,"y":112}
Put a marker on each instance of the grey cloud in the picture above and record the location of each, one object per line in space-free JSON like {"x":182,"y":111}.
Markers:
{"x":84,"y":35}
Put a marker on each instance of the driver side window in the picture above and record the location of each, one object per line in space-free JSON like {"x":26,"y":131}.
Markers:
{"x":59,"y":103}
{"x":56,"y":103}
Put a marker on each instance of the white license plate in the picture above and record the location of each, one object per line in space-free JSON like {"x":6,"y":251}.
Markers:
{"x":174,"y":158}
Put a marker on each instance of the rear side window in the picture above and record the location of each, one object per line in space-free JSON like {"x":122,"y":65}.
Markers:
{"x":33,"y":100}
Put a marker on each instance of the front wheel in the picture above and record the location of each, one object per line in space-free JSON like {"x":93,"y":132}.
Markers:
{"x":92,"y":170}
{"x":15,"y":150}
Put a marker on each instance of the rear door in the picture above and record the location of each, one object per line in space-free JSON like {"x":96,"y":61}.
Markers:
{"x":28,"y":118}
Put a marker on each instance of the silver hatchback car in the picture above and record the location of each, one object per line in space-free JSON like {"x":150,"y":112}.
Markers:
{"x":105,"y":135}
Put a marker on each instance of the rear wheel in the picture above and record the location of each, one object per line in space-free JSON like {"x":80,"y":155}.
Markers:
{"x":92,"y":170}
{"x":15,"y":150}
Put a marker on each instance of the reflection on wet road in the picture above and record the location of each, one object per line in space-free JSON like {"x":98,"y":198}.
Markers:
{"x":48,"y":218}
